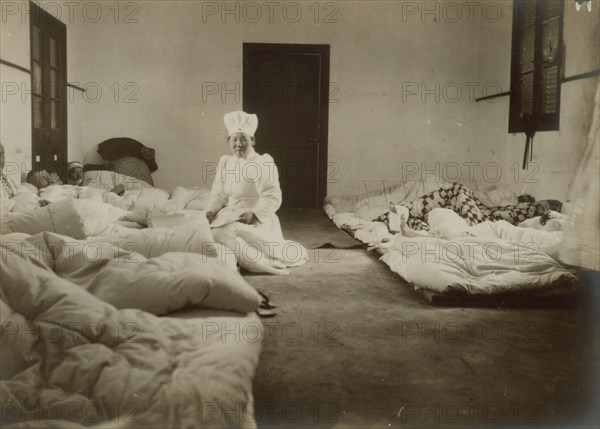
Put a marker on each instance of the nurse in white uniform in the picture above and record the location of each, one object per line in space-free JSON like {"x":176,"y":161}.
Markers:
{"x":244,"y":198}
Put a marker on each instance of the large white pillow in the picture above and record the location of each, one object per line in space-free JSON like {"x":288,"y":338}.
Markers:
{"x":191,"y":198}
{"x":25,"y":200}
{"x":173,"y":281}
{"x":194,"y":237}
{"x":150,"y":199}
{"x":446,"y":223}
{"x":497,"y":197}
{"x":105,"y":179}
{"x":61,"y":217}
{"x":96,"y":217}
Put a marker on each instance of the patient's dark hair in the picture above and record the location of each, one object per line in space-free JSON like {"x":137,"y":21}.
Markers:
{"x":526,"y":198}
{"x":30,"y":176}
{"x":49,"y":168}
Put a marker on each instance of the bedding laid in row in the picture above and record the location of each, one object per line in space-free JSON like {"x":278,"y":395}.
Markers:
{"x":94,"y":209}
{"x":137,"y":195}
{"x":457,"y":250}
{"x":80,"y":328}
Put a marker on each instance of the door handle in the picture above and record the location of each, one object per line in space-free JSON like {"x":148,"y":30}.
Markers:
{"x":312,"y":139}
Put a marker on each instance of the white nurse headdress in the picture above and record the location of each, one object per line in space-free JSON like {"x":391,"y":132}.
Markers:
{"x":241,"y":122}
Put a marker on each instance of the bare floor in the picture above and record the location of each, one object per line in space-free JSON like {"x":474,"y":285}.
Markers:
{"x":353,"y":346}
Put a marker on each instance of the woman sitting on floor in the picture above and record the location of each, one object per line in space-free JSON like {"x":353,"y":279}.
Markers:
{"x":244,"y":198}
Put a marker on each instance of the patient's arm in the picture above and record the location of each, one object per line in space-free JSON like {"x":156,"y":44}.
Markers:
{"x":138,"y":216}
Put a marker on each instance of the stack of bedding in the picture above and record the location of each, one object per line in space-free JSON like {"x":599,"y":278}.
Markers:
{"x":81,"y":295}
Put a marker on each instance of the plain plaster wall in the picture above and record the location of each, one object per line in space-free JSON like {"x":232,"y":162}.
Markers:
{"x":404,"y":78}
{"x":379,"y":54}
{"x":556,"y":153}
{"x":15,"y":106}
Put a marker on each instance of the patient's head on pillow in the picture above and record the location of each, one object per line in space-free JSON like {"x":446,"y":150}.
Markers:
{"x":554,"y":205}
{"x":75,"y":173}
{"x":42,"y":178}
{"x":526,"y":198}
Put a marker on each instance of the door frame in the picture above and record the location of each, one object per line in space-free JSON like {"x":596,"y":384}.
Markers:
{"x":58,"y":29}
{"x":323,"y":51}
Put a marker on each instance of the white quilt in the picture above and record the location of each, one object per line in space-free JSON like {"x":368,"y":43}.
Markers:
{"x":138,"y":195}
{"x":67,"y":347}
{"x":474,"y":265}
{"x":72,"y":217}
{"x":488,"y":258}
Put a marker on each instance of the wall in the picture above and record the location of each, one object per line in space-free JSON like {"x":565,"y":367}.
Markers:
{"x":556,"y":153}
{"x":15,"y":112}
{"x":15,"y":106}
{"x":377,"y":49}
{"x":405,"y":75}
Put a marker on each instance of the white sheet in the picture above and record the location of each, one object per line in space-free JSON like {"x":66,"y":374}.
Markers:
{"x":474,"y":265}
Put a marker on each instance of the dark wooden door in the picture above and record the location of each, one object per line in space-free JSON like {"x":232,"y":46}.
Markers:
{"x":48,"y":81}
{"x":287,"y":87}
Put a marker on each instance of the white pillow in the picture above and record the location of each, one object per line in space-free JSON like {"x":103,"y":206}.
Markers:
{"x":27,"y":187}
{"x":446,"y":223}
{"x":171,"y":220}
{"x":172,"y":281}
{"x":96,"y":217}
{"x":105,"y":179}
{"x":61,"y":217}
{"x":497,"y":197}
{"x":54,"y":193}
{"x":25,"y":201}
{"x":150,"y":199}
{"x":194,"y":236}
{"x":193,"y":199}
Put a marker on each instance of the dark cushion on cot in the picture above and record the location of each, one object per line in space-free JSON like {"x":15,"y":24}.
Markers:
{"x":120,"y":147}
{"x":132,"y":167}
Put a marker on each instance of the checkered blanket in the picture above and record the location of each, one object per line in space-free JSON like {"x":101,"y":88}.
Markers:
{"x":464,"y":202}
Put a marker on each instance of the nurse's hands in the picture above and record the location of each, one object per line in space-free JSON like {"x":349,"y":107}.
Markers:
{"x":248,"y":218}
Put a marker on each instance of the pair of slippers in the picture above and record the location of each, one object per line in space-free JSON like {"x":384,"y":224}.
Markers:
{"x":266,"y":309}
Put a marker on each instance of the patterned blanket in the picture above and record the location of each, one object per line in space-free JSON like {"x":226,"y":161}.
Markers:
{"x":464,"y":202}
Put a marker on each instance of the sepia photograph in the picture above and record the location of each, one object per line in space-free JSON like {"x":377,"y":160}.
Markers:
{"x":346,"y":214}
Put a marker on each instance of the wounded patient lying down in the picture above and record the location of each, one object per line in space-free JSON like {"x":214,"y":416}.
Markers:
{"x":464,"y":202}
{"x":57,"y":192}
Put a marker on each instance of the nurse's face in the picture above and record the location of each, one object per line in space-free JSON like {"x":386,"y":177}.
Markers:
{"x":240,"y":144}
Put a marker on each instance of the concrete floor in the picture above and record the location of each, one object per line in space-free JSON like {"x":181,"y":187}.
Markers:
{"x":353,"y":346}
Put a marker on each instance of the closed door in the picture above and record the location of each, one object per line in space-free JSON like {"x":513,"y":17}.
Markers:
{"x":286,"y":86}
{"x":49,"y":95}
